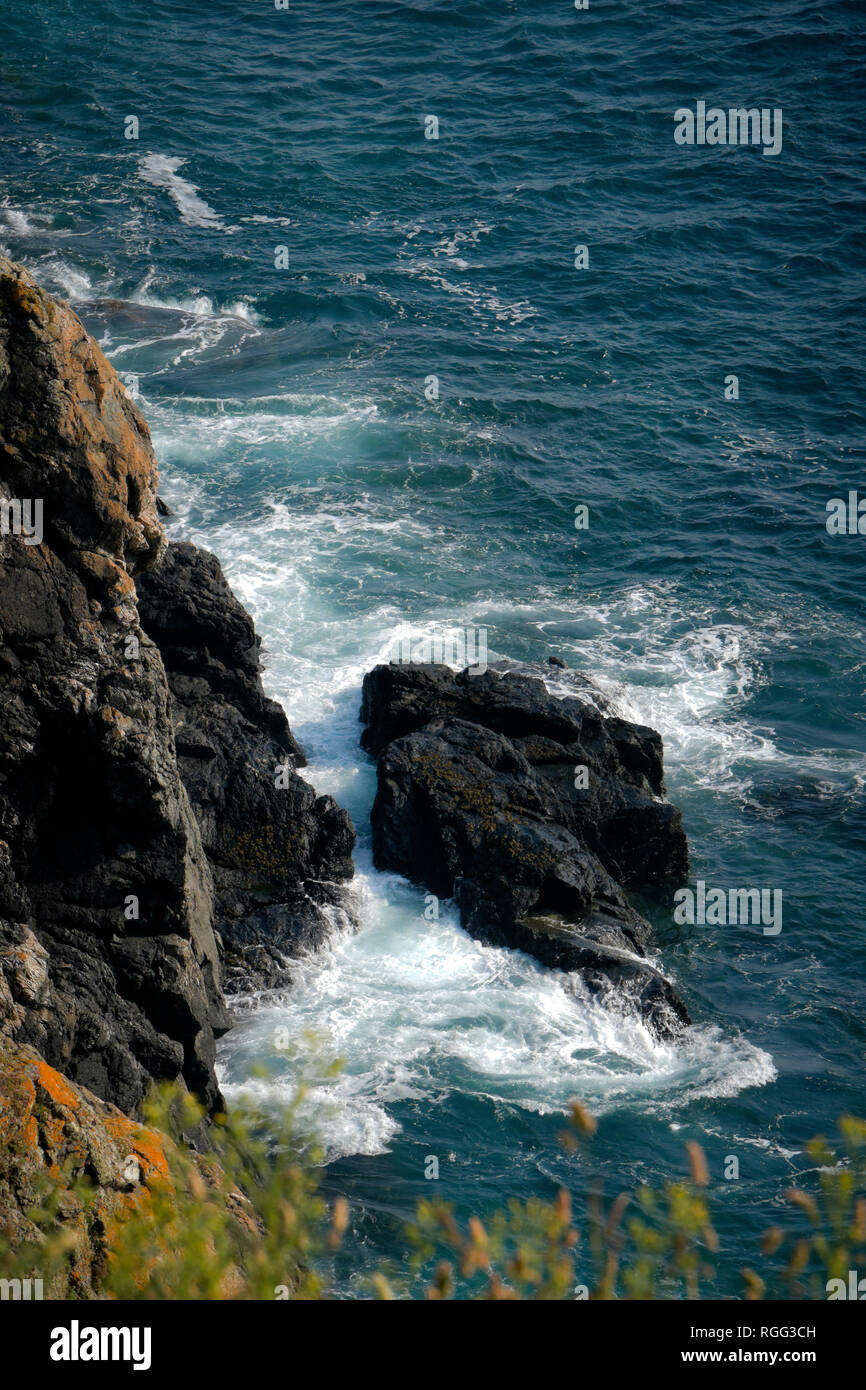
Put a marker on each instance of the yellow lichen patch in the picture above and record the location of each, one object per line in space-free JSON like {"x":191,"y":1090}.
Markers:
{"x":17,"y":1102}
{"x":101,"y":445}
{"x":124,"y":1206}
{"x":30,"y":1133}
{"x":21,"y":1089}
{"x":53,"y":1134}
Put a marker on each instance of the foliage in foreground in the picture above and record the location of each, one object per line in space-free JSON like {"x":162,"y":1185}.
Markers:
{"x":245,"y":1221}
{"x":652,"y":1244}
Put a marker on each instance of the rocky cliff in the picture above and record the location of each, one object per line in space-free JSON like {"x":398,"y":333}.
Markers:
{"x":139,"y":810}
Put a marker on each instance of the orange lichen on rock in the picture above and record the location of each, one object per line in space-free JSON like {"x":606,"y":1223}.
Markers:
{"x":54,"y":1084}
{"x":97,"y":464}
{"x":51,"y":1128}
{"x":147,"y":1145}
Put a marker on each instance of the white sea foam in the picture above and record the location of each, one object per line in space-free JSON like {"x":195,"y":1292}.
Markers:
{"x":201,"y":305}
{"x":216,"y":426}
{"x":198,"y":303}
{"x":17,"y":221}
{"x":482,"y":302}
{"x":418,"y":1009}
{"x":184,"y":326}
{"x":674,"y":666}
{"x":161,"y":171}
{"x":75,"y":283}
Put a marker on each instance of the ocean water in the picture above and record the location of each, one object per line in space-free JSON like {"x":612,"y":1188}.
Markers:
{"x":289,"y":412}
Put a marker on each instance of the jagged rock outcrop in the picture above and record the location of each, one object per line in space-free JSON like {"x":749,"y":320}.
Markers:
{"x":104,"y":884}
{"x":478,"y":799}
{"x":109,"y":963}
{"x":278,"y":852}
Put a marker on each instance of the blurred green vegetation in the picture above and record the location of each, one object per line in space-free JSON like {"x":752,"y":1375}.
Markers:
{"x":244,"y":1220}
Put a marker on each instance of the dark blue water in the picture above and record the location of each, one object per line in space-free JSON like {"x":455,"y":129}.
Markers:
{"x":289,"y":411}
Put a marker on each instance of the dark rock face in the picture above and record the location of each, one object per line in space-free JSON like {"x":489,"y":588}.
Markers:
{"x":106,"y":945}
{"x":477,"y":799}
{"x":118,"y":844}
{"x":277,"y":850}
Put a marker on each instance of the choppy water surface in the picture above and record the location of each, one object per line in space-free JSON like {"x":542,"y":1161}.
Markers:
{"x":288,"y":408}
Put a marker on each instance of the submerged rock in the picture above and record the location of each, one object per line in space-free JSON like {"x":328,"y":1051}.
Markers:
{"x":480,"y":797}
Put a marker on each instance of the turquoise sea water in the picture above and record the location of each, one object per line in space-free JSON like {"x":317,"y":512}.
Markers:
{"x":289,"y":412}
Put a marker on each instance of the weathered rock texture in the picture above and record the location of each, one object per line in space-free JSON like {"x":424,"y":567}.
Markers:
{"x":477,"y":800}
{"x":109,"y":963}
{"x":75,"y":1171}
{"x":278,"y":851}
{"x":57,"y":1137}
{"x":92,"y":810}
